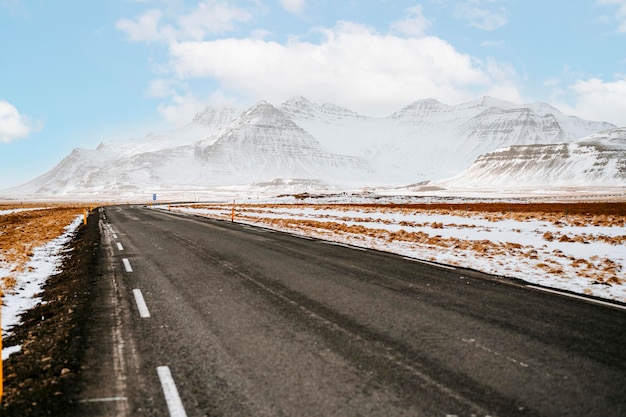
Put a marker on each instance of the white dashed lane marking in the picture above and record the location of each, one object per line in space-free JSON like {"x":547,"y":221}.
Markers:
{"x":119,"y":246}
{"x":174,"y":403}
{"x":127,"y":266}
{"x":141,"y":304}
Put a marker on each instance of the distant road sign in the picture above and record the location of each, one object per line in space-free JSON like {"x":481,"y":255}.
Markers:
{"x":153,"y":197}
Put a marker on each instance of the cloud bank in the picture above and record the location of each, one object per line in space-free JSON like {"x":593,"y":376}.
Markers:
{"x":351,"y":64}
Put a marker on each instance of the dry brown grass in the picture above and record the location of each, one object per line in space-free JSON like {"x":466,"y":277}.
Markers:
{"x":22,"y":232}
{"x":611,"y":214}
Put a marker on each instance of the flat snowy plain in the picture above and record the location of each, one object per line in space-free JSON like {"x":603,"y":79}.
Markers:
{"x":578,"y":253}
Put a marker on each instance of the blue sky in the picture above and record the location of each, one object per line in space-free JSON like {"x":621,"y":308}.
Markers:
{"x":74,"y":73}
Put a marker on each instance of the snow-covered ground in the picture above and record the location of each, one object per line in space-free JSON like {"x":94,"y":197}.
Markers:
{"x":46,"y":261}
{"x":11,"y":211}
{"x":562,"y":254}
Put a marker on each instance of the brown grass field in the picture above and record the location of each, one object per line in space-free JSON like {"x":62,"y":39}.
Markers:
{"x":611,"y":214}
{"x":24,"y":231}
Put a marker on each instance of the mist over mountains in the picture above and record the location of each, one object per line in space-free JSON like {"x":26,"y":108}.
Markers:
{"x":328,"y":145}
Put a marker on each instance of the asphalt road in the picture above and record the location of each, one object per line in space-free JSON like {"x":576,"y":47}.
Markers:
{"x":212,"y":318}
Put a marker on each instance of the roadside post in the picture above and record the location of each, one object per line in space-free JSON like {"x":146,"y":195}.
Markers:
{"x":1,"y":364}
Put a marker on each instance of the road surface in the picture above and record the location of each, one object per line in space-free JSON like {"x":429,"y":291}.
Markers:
{"x":213,"y":318}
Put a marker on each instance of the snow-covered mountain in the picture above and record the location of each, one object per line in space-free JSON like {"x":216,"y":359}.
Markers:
{"x":429,"y":140}
{"x":596,"y":160}
{"x":313,"y":143}
{"x":264,"y":144}
{"x":204,"y":124}
{"x":258,"y":145}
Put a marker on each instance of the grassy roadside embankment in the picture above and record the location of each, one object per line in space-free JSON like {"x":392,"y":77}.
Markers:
{"x":23,"y":231}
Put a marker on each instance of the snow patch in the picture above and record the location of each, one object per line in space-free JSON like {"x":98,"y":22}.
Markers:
{"x":585,"y":259}
{"x":46,"y":261}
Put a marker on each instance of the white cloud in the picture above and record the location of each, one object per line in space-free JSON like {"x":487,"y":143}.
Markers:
{"x":596,"y":99}
{"x":620,"y":13}
{"x":352,"y":66}
{"x":209,"y":17}
{"x":13,"y":125}
{"x":181,"y":110}
{"x":414,"y":24}
{"x":493,"y":44}
{"x":482,"y":14}
{"x":293,"y":6}
{"x":161,"y":88}
{"x":504,"y":81}
{"x":146,"y":28}
{"x":14,"y":6}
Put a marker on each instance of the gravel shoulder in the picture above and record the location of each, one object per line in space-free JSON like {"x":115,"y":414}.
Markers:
{"x":44,"y":378}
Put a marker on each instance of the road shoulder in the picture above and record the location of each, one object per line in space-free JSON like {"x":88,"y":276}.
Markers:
{"x":46,"y":377}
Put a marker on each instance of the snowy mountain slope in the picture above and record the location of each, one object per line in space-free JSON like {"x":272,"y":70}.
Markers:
{"x":316,"y":144}
{"x":431,"y":140}
{"x":78,"y":169}
{"x":204,"y":124}
{"x":264,"y":144}
{"x":597,"y":160}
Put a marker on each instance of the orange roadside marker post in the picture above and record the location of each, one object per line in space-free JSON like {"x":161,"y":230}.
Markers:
{"x":1,"y":375}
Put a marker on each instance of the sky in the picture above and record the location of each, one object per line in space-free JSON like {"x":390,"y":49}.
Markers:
{"x":75,"y":73}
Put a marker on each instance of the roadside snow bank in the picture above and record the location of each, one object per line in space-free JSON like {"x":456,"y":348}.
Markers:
{"x":45,"y":262}
{"x":11,"y":211}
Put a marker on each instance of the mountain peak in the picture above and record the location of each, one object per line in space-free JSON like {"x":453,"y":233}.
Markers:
{"x":216,"y":116}
{"x":427,"y":103}
{"x":300,"y":108}
{"x":302,"y":139}
{"x":489,"y":101}
{"x":298,"y":101}
{"x":419,"y":109}
{"x":264,"y":114}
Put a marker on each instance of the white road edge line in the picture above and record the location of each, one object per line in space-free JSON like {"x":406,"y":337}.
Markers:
{"x":141,"y":304}
{"x":451,"y":268}
{"x":103,"y":400}
{"x":301,"y":236}
{"x":127,"y":266}
{"x":174,"y":404}
{"x":343,"y":245}
{"x":591,"y":300}
{"x":119,"y":246}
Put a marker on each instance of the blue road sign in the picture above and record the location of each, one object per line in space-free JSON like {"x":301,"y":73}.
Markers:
{"x":153,"y":197}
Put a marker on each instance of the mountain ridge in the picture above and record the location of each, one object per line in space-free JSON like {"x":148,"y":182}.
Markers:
{"x":596,"y":160}
{"x":317,"y":143}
